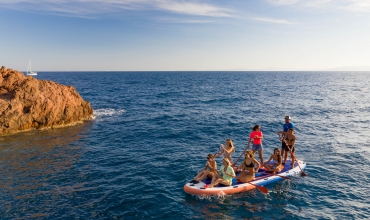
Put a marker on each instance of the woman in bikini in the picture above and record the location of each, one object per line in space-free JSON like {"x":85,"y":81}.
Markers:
{"x":248,"y":167}
{"x":227,"y":150}
{"x":290,"y":144}
{"x":209,"y":170}
{"x":225,"y":176}
{"x":276,"y":165}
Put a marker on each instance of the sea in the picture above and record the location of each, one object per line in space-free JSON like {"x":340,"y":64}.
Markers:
{"x":151,"y":134}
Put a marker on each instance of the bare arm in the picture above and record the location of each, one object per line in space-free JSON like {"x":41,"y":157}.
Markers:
{"x":242,"y":166}
{"x":249,"y":142}
{"x":222,"y":152}
{"x":269,"y":159}
{"x":293,"y":142}
{"x":227,"y":151}
{"x":232,"y":174}
{"x":280,"y":163}
{"x":258,"y":165}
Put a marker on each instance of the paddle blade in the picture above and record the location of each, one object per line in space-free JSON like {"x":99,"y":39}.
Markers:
{"x":303,"y":173}
{"x":262,"y":189}
{"x":284,"y":177}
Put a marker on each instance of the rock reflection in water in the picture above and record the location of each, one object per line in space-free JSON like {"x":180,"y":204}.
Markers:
{"x":31,"y":162}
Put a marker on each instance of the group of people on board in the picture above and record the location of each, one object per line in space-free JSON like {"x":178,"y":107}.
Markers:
{"x":250,"y":166}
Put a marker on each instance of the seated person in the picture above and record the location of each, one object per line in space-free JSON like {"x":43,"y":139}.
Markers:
{"x":247,"y":167}
{"x":208,"y":171}
{"x":276,"y":165}
{"x":225,"y":175}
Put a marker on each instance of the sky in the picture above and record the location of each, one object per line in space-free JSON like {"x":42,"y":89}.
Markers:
{"x":185,"y":35}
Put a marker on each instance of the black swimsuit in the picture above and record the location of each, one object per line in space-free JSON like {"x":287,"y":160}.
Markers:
{"x":251,"y":165}
{"x":286,"y":147}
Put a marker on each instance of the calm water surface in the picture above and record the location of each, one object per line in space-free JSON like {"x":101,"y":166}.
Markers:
{"x":153,"y":130}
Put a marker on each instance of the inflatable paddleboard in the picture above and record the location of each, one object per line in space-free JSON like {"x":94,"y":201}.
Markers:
{"x":262,"y":178}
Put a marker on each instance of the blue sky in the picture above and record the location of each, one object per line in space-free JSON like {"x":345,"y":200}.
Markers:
{"x":171,"y":35}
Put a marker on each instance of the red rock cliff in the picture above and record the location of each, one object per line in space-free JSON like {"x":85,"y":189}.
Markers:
{"x":28,"y":103}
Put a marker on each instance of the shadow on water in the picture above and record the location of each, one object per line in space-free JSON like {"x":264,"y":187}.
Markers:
{"x":35,"y":163}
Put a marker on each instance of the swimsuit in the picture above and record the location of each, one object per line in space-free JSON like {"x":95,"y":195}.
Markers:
{"x":286,"y":146}
{"x":251,"y":165}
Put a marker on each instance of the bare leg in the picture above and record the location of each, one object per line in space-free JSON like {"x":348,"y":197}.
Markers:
{"x":293,"y":158}
{"x":268,"y":167}
{"x":225,"y":182}
{"x":216,"y":176}
{"x":243,"y":177}
{"x":285,"y":156}
{"x":199,"y":175}
{"x":260,"y":154}
{"x":214,"y":182}
{"x":202,"y":177}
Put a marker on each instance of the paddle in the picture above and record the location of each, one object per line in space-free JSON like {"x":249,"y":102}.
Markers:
{"x":213,"y":156}
{"x":260,"y":188}
{"x":233,"y":165}
{"x":205,"y":167}
{"x":291,"y":153}
{"x":284,"y":177}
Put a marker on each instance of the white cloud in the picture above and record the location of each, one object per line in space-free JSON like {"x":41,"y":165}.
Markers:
{"x":272,"y":20}
{"x":193,"y":21}
{"x":283,"y":2}
{"x":94,"y":7}
{"x":315,"y":3}
{"x":192,"y":8}
{"x":358,"y":6}
{"x":348,"y":5}
{"x":306,"y":3}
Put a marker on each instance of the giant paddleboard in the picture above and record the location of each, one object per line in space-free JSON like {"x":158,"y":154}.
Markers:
{"x":262,"y":178}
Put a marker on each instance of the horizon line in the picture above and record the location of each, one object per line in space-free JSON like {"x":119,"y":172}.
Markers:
{"x":198,"y":70}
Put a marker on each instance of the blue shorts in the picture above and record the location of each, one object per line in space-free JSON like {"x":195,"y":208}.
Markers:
{"x":257,"y":147}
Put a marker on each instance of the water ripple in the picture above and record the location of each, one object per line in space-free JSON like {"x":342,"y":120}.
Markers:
{"x":152,"y":132}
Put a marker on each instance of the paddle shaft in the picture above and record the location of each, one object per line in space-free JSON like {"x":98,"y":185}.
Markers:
{"x":295,"y":159}
{"x":262,"y":177}
{"x":233,"y":165}
{"x":205,"y":167}
{"x":284,"y":177}
{"x":282,"y":138}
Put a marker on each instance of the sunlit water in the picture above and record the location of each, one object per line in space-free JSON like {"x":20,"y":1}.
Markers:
{"x":152,"y":132}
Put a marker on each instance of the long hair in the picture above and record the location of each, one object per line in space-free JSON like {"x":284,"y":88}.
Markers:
{"x":250,"y":153}
{"x":279,"y":156}
{"x":227,"y":161}
{"x":231,"y":144}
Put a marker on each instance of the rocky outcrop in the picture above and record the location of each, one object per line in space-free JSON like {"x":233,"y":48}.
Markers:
{"x":28,"y":103}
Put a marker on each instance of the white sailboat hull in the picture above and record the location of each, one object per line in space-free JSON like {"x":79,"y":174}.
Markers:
{"x":29,"y":71}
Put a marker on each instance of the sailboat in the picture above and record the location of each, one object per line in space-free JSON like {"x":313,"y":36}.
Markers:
{"x":29,"y":71}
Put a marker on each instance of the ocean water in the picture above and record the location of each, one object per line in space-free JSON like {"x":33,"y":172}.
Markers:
{"x":153,"y":130}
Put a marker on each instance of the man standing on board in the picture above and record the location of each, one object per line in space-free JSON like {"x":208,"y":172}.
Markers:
{"x":284,"y":147}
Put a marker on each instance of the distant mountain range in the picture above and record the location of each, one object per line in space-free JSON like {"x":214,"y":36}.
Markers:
{"x":344,"y":68}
